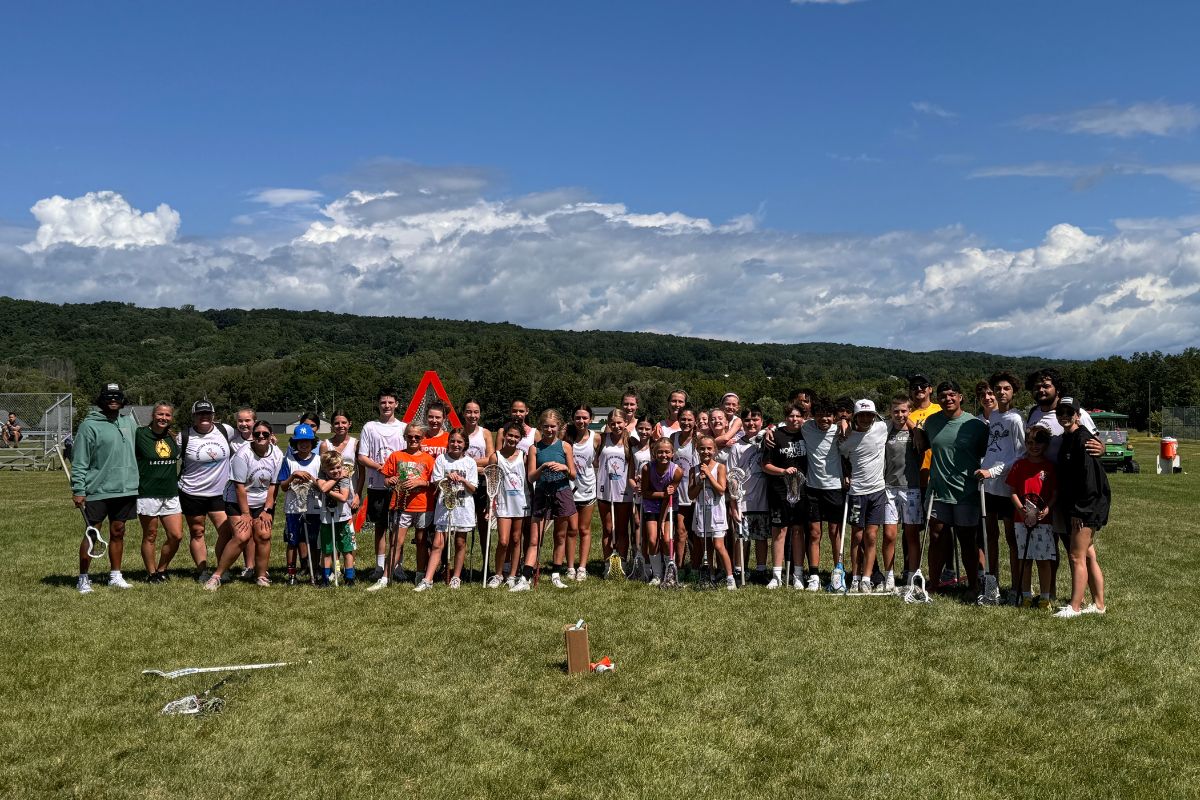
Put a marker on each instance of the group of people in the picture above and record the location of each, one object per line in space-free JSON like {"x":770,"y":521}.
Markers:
{"x":697,"y":494}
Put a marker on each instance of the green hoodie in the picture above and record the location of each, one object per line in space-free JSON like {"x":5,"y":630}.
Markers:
{"x":103,"y":463}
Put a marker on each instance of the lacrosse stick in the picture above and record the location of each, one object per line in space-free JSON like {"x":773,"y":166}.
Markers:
{"x":491,"y":479}
{"x":300,"y":492}
{"x":97,"y":547}
{"x":991,"y":587}
{"x":837,"y":581}
{"x":735,"y":483}
{"x":1033,"y":504}
{"x":449,"y":496}
{"x":615,"y":568}
{"x":916,"y":592}
{"x":185,"y":671}
{"x":795,"y":487}
{"x":203,"y":703}
{"x":670,"y":571}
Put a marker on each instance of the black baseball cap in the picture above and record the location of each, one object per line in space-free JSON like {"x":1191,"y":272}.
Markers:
{"x":949,"y":386}
{"x":203,"y":407}
{"x":917,"y":380}
{"x":1066,"y":404}
{"x":110,"y":391}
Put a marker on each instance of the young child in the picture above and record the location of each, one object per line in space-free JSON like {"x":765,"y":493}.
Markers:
{"x":785,"y":461}
{"x":616,"y":498}
{"x":550,"y":467}
{"x":1032,"y":485}
{"x":824,"y":489}
{"x":512,"y":505}
{"x":730,"y":406}
{"x":659,"y":484}
{"x":337,"y":534}
{"x":302,"y":517}
{"x":455,"y":476}
{"x":407,"y":474}
{"x":702,"y":426}
{"x":684,"y":446}
{"x":706,"y":487}
{"x":1084,"y":498}
{"x":746,"y":454}
{"x":902,"y":484}
{"x":639,"y":457}
{"x":862,"y":443}
{"x":585,"y":449}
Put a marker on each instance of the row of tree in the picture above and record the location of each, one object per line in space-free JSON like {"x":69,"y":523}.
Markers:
{"x":274,"y":359}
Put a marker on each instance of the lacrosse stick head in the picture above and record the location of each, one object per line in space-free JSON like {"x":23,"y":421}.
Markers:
{"x":1033,"y":505}
{"x":449,"y":493}
{"x":736,"y":483}
{"x":616,"y":569}
{"x":301,"y":491}
{"x":991,"y":591}
{"x":837,"y":582}
{"x":97,"y":547}
{"x":915,"y":591}
{"x":670,"y":576}
{"x":794,"y":488}
{"x":348,"y":468}
{"x":491,"y":478}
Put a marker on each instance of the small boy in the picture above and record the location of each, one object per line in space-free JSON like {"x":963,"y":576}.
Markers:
{"x":302,"y":517}
{"x":337,"y":534}
{"x":1032,"y":483}
{"x":407,"y":474}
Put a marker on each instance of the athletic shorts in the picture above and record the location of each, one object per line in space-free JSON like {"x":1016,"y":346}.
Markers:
{"x":824,"y":505}
{"x":299,"y":528}
{"x":379,"y":502}
{"x":232,"y":510}
{"x":553,"y":506}
{"x":114,"y":509}
{"x":1040,"y":546}
{"x":756,"y":525}
{"x":999,"y":507}
{"x":783,"y":515}
{"x":903,"y":507}
{"x":411,"y":519}
{"x":343,"y":533}
{"x":194,"y":506}
{"x":867,"y":509}
{"x":158,"y":506}
{"x":957,"y":515}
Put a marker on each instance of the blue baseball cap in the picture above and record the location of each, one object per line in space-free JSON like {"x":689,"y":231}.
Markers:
{"x":304,"y":432}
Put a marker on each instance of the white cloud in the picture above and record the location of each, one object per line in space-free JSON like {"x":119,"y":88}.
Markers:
{"x":1086,"y":175}
{"x":861,"y":158}
{"x":932,"y":109}
{"x":100,"y":219}
{"x":1153,"y":119}
{"x":555,"y":260}
{"x":285,"y":197}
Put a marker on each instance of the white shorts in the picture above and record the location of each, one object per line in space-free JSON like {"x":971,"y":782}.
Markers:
{"x":903,"y":507}
{"x":1036,"y":545}
{"x":158,"y":506}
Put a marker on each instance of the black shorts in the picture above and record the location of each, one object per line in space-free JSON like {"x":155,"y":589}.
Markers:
{"x":999,"y":507}
{"x":784,"y":515}
{"x":232,"y":510}
{"x":481,"y":507}
{"x":824,"y":505}
{"x":379,"y":502}
{"x":115,"y":509}
{"x":193,"y":506}
{"x":554,"y":505}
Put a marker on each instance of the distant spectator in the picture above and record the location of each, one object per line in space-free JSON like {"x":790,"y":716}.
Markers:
{"x":10,"y":432}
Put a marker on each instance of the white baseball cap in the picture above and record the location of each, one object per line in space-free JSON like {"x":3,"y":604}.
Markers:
{"x":863,"y":406}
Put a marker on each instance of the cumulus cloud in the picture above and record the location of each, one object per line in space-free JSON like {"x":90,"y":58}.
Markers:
{"x":277,"y":198}
{"x":100,"y":219}
{"x":559,"y":260}
{"x":932,"y":109}
{"x":1151,"y":119}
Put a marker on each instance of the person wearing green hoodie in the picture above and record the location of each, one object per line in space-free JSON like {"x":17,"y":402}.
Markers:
{"x":104,"y":479}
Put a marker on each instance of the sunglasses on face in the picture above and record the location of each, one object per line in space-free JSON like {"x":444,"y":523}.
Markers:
{"x":261,"y":435}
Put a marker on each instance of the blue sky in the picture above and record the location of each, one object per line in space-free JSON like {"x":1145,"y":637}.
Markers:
{"x":812,"y":122}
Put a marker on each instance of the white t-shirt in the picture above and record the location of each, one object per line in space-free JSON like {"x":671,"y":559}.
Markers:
{"x":378,"y":441}
{"x":336,"y":510}
{"x":824,"y":460}
{"x":257,"y":473}
{"x":748,"y":457}
{"x":865,"y":450}
{"x":462,"y":516}
{"x":512,"y":502}
{"x":613,"y":472}
{"x":205,"y":464}
{"x":1006,"y":443}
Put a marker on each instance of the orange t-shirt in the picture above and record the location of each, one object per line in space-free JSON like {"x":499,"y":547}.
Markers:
{"x":422,"y":463}
{"x":435,"y":445}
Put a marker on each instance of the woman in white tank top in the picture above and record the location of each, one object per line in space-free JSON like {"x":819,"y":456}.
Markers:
{"x":347,"y":446}
{"x":640,"y":458}
{"x":480,"y":448}
{"x":584,"y":444}
{"x":512,"y":506}
{"x":616,"y":493}
{"x":685,"y":458}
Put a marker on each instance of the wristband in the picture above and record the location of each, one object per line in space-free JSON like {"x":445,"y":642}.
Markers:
{"x":270,"y":511}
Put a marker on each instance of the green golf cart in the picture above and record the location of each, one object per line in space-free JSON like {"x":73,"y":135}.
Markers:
{"x":1118,"y":453}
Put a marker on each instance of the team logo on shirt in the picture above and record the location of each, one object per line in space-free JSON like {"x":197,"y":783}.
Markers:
{"x":162,"y":449}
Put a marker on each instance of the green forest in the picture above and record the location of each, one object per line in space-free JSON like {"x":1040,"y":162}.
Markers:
{"x":277,"y":360}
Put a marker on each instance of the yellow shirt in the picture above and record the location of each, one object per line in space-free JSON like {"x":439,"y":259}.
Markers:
{"x":918,"y":416}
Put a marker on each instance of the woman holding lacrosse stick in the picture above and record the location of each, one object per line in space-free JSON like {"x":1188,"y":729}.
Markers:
{"x":480,"y":446}
{"x":585,"y":448}
{"x":512,"y":506}
{"x":612,"y":464}
{"x":455,"y":476}
{"x":550,"y":467}
{"x":250,"y":505}
{"x":636,"y":460}
{"x":683,"y":444}
{"x":408,"y":474}
{"x":660,"y":489}
{"x":337,"y":532}
{"x":706,"y":488}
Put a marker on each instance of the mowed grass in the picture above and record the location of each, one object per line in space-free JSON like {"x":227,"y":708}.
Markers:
{"x":716,"y":694}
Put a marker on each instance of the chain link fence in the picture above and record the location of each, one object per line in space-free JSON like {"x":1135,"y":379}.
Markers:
{"x":1181,"y":422}
{"x":32,"y":426}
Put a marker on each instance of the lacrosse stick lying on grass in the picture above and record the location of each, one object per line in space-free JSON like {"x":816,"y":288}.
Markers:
{"x":185,"y":671}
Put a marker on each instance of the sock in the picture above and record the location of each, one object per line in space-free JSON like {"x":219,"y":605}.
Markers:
{"x":379,"y":557}
{"x":797,"y":572}
{"x":328,"y":573}
{"x":116,"y":573}
{"x":891,"y":574}
{"x":656,"y":565}
{"x":527,"y":573}
{"x":507,"y":568}
{"x":1045,"y":595}
{"x":1026,"y":594}
{"x":777,"y":573}
{"x":761,"y":569}
{"x":350,"y":573}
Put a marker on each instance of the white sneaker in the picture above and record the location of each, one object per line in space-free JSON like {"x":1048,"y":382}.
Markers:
{"x":380,"y":583}
{"x":522,"y":585}
{"x":655,"y":582}
{"x":510,"y":582}
{"x":1066,"y":612}
{"x":837,"y":581}
{"x":84,"y":584}
{"x":456,"y":583}
{"x":855,"y":582}
{"x":864,"y":586}
{"x":887,"y":586}
{"x":731,"y":584}
{"x":570,"y":573}
{"x":774,"y":583}
{"x":814,"y":583}
{"x":1092,"y":608}
{"x":581,"y":575}
{"x":424,"y":586}
{"x":212,"y":584}
{"x":495,"y":581}
{"x":557,"y":581}
{"x":117,"y":581}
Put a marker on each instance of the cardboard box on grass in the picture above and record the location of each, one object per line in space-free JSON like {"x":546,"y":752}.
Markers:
{"x":578,"y":651}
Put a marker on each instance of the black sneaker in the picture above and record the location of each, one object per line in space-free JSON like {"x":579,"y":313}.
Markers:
{"x":291,"y":579}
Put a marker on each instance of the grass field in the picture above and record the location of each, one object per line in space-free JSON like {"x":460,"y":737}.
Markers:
{"x":716,"y":694}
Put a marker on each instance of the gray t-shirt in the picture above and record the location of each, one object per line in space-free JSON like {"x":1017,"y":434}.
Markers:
{"x":865,"y":451}
{"x":902,"y":462}
{"x":824,"y":460}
